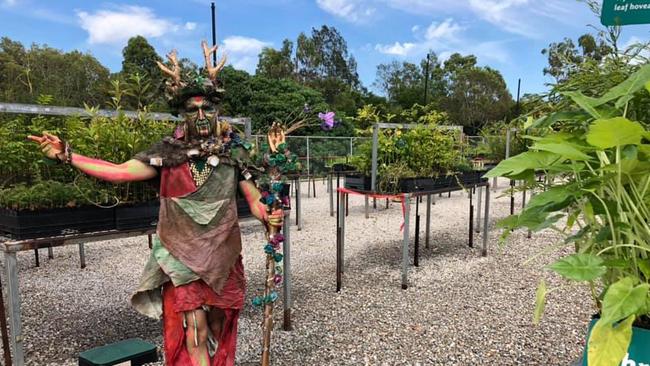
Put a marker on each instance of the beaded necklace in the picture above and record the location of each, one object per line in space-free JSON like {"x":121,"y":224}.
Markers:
{"x":200,"y":171}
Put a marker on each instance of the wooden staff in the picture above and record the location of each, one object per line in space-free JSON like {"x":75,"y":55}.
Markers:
{"x":267,"y":327}
{"x":276,"y":136}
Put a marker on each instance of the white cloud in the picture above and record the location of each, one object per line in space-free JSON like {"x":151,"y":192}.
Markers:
{"x":190,"y":26}
{"x":446,"y":38}
{"x":446,"y":30}
{"x":9,"y":2}
{"x":397,"y":49}
{"x":243,"y":51}
{"x":118,"y":25}
{"x":436,"y":36}
{"x":354,"y":11}
{"x":415,"y":28}
{"x":529,"y":18}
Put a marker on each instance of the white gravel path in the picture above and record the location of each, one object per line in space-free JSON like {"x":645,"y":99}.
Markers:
{"x":460,"y":308}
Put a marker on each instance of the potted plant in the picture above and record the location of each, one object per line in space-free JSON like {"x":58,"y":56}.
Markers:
{"x":596,"y":192}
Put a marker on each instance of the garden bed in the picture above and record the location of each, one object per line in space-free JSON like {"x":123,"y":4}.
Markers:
{"x":137,"y":216}
{"x":29,"y":224}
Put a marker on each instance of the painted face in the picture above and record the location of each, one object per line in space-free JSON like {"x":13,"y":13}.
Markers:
{"x":200,"y":112}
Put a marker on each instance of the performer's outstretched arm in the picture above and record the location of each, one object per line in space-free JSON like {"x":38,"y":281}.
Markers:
{"x":258,"y":209}
{"x":132,"y":170}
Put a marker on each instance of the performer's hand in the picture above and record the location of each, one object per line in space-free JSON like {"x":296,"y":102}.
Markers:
{"x":52,"y":147}
{"x":275,"y":218}
{"x":275,"y":136}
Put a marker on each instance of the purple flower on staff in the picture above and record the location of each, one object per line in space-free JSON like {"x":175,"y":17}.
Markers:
{"x":277,"y":279}
{"x":277,"y":239}
{"x":306,"y":108}
{"x":328,"y":120}
{"x":286,"y":201}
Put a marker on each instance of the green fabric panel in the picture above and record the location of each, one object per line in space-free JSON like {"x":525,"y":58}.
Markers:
{"x":211,"y":199}
{"x":172,"y":267}
{"x":201,"y":212}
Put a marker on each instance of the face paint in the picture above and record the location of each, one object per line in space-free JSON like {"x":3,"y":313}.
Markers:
{"x":198,"y":114}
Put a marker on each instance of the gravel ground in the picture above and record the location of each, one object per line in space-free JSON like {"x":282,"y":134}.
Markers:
{"x":460,"y":308}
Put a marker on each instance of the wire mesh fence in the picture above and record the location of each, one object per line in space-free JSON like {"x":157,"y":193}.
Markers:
{"x":318,"y":153}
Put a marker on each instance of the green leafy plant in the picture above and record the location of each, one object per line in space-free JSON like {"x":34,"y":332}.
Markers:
{"x":596,"y":193}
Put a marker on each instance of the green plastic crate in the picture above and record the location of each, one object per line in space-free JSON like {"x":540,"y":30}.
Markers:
{"x":137,"y":351}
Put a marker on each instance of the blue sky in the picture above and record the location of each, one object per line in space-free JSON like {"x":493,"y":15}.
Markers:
{"x":505,"y":34}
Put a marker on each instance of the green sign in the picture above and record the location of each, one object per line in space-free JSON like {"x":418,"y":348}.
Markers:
{"x":623,"y":12}
{"x":638,"y":354}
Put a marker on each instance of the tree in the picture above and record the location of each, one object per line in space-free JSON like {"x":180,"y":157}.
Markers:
{"x":140,"y":58}
{"x":564,"y":58}
{"x":476,"y":95}
{"x":404,"y":83}
{"x":71,"y":78}
{"x":276,"y":64}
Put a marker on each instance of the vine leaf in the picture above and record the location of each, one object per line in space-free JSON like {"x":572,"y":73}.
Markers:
{"x":623,"y":299}
{"x":619,"y":131}
{"x":608,"y":344}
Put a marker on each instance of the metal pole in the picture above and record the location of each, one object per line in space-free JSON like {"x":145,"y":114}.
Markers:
{"x":214,"y":35}
{"x":3,"y":329}
{"x":308,"y":167}
{"x":479,"y":196}
{"x":375,"y":142}
{"x":486,"y":221}
{"x":428,"y":224}
{"x":330,"y":185}
{"x":286,"y":251}
{"x":13,"y":298}
{"x":351,"y":146}
{"x":82,"y":255}
{"x":405,"y":241}
{"x":298,"y":206}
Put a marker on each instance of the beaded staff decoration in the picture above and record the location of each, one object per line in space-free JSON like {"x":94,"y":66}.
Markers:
{"x":277,"y":162}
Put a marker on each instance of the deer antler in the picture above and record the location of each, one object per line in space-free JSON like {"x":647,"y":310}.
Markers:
{"x":175,"y":71}
{"x":213,"y":71}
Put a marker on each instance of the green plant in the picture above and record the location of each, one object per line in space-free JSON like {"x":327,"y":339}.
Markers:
{"x":597,"y":170}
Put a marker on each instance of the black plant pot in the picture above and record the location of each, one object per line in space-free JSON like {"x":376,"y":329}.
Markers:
{"x":27,"y":224}
{"x":137,"y":216}
{"x":358,"y":182}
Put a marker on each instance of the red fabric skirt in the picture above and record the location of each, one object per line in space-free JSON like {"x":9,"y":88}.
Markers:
{"x":194,"y":295}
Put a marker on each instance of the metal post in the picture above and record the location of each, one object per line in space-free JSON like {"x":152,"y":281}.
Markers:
{"x":13,"y":298}
{"x":82,"y":255}
{"x":375,"y":142}
{"x":416,"y":249}
{"x":340,"y":230}
{"x":331,"y":190}
{"x":428,"y":224}
{"x":3,"y":329}
{"x":344,"y":204}
{"x":405,"y":241}
{"x":351,"y":146}
{"x":298,"y":206}
{"x":214,"y":35}
{"x":50,"y":253}
{"x":367,"y":206}
{"x":286,"y":251}
{"x":486,"y":220}
{"x":308,"y":167}
{"x":36,"y":259}
{"x":471,"y":218}
{"x":479,"y":197}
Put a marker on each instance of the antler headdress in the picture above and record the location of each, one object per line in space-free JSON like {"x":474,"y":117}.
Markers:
{"x":180,"y":87}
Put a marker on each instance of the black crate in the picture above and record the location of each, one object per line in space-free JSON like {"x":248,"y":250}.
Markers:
{"x":137,"y":216}
{"x":409,"y":185}
{"x":135,"y":351}
{"x":358,"y":182}
{"x":243,"y":209}
{"x":28,"y":224}
{"x":343,"y":168}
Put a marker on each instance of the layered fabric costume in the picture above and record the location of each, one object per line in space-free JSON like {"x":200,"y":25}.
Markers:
{"x":196,"y":258}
